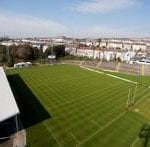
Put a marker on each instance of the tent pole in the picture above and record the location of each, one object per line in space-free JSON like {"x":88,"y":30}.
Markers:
{"x":16,"y":120}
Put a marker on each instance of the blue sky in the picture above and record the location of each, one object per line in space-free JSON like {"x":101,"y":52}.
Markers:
{"x":75,"y":18}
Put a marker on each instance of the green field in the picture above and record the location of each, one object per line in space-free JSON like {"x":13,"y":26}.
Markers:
{"x":67,"y":106}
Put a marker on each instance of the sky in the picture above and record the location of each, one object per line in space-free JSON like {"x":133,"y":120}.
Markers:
{"x":75,"y":18}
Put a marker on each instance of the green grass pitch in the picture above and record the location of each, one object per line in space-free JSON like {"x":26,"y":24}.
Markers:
{"x":66,"y":106}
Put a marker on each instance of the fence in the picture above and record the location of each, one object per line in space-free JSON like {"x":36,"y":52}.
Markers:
{"x":138,"y":69}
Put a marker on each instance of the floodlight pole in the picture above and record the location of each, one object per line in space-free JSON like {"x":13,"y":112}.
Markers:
{"x":52,"y":49}
{"x":8,"y":53}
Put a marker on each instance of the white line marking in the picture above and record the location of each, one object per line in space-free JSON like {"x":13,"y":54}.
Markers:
{"x":75,"y":138}
{"x":90,"y":69}
{"x":123,"y":79}
{"x":49,"y":130}
{"x":94,"y":122}
{"x":110,"y":70}
{"x":140,"y":100}
{"x":134,"y":142}
{"x":102,"y":128}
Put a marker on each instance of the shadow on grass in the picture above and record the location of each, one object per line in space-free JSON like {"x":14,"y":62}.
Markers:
{"x":31,"y":110}
{"x":144,"y":135}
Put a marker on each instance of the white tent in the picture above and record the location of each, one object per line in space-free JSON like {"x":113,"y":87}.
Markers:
{"x":8,"y":106}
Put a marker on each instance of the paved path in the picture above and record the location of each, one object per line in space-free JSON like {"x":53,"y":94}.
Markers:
{"x":19,"y":139}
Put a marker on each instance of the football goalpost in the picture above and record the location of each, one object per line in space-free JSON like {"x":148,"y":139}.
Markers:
{"x":131,"y":98}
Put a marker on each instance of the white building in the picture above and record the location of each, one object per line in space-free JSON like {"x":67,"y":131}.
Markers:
{"x":45,"y":47}
{"x":115,"y":45}
{"x":125,"y":56}
{"x":103,"y":44}
{"x":127,"y":46}
{"x":137,"y":47}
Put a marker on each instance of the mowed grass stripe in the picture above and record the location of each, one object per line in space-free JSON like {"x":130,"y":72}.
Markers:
{"x":74,"y":98}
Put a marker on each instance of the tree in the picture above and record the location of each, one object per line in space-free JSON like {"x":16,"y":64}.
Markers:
{"x":25,"y":52}
{"x":36,"y":53}
{"x":12,"y":55}
{"x":48,"y":51}
{"x":99,"y":41}
{"x":41,"y":54}
{"x":118,"y":59}
{"x":3,"y":54}
{"x":58,"y":51}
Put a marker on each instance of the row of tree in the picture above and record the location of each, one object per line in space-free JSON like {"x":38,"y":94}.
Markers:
{"x":13,"y":54}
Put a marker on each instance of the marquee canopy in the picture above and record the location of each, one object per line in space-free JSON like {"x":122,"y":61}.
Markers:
{"x":8,"y":106}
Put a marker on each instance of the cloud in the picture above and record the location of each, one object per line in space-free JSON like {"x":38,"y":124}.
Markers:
{"x":103,"y":6}
{"x":28,"y":26}
{"x":14,"y":25}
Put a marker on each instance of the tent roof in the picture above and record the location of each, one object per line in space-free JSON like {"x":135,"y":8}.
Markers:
{"x":8,"y":106}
